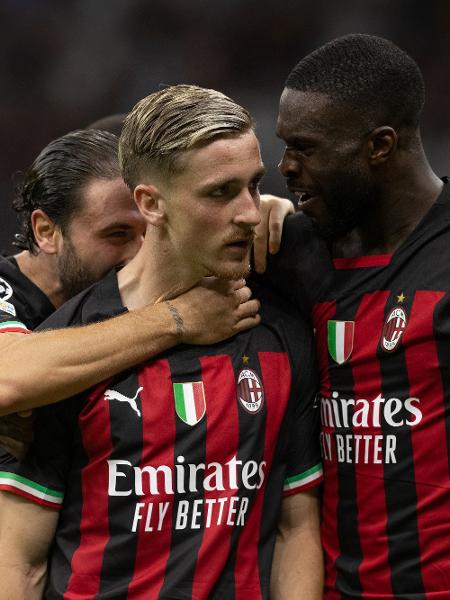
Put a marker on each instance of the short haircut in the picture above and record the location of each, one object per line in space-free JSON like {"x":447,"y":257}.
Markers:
{"x":55,"y":181}
{"x":369,"y":74}
{"x":171,"y":121}
{"x":111,"y":123}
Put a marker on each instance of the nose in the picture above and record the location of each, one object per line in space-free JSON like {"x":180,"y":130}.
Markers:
{"x":289,"y":165}
{"x":248,"y":214}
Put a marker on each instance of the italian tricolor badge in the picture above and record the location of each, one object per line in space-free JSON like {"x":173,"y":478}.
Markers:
{"x":189,"y":401}
{"x":340,"y":340}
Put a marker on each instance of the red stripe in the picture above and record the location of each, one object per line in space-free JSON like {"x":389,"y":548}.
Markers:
{"x":4,"y":487}
{"x":348,"y":338}
{"x":199,"y":400}
{"x":153,"y":547}
{"x":276,"y":376}
{"x":429,"y":443}
{"x":377,"y":260}
{"x":222,"y":443}
{"x":374,"y":572}
{"x":15,"y":330}
{"x":94,"y":424}
{"x":322,"y":313}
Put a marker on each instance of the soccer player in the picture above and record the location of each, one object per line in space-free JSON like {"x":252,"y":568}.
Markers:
{"x":166,"y":480}
{"x":349,"y":116}
{"x":79,"y":220}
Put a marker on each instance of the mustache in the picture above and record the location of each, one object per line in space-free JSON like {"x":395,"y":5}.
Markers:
{"x":242,"y":236}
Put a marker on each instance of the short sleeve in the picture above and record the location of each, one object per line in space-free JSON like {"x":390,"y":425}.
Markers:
{"x":41,"y":476}
{"x":303,"y":460}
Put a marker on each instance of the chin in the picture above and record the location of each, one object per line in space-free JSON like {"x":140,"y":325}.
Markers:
{"x":232,"y":272}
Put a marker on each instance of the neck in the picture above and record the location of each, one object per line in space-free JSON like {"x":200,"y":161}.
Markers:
{"x":155,"y":274}
{"x":407,"y":194}
{"x":42,"y":270}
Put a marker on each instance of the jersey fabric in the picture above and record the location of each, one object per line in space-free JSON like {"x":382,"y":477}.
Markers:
{"x":23,"y":306}
{"x":170,"y":477}
{"x":383,"y":339}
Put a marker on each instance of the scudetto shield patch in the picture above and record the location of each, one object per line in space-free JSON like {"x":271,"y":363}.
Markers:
{"x":340,"y":340}
{"x":190,"y":404}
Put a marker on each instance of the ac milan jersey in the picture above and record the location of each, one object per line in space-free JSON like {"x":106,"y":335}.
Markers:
{"x":170,"y":476}
{"x":23,"y":306}
{"x":383,"y":338}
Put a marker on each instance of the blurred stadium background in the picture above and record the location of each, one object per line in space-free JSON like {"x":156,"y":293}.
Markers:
{"x":66,"y":64}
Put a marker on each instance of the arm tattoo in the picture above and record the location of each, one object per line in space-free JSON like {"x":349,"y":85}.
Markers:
{"x":176,"y":317}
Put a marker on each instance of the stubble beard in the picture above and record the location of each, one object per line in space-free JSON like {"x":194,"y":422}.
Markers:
{"x":73,"y":275}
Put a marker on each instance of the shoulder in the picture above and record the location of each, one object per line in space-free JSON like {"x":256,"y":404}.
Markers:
{"x":20,"y":298}
{"x":98,"y":302}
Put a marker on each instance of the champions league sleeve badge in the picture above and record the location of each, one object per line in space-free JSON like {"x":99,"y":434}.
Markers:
{"x":6,"y":292}
{"x":250,"y":391}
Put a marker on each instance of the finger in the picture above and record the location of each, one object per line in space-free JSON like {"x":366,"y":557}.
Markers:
{"x":261,"y":237}
{"x":247,"y":323}
{"x":278,"y":213}
{"x":237,"y":284}
{"x":25,"y":413}
{"x":243,"y":294}
{"x":248,"y":309}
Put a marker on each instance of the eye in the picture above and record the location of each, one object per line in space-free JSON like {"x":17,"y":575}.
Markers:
{"x":254,"y":186}
{"x":220,"y":192}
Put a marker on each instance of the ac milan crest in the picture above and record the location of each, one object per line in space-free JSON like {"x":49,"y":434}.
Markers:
{"x":250,"y":391}
{"x":393,"y":329}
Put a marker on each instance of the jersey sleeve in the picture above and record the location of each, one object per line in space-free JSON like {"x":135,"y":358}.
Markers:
{"x":304,"y":465}
{"x":41,"y":476}
{"x":9,"y":309}
{"x":303,"y":266}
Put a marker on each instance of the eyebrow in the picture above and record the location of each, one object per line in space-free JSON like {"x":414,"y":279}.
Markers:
{"x":221,"y":182}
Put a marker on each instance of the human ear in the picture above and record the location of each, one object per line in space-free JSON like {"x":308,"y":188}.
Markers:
{"x":150,"y":203}
{"x":47,"y":234}
{"x":382,"y":144}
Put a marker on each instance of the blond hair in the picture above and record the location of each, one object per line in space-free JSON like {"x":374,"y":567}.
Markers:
{"x":171,"y":121}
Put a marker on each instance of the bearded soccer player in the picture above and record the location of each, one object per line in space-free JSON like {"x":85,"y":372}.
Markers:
{"x":349,"y":116}
{"x":167,"y":481}
{"x":79,"y":220}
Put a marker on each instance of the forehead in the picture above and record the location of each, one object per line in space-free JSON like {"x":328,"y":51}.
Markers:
{"x":234,"y":157}
{"x":104,"y":201}
{"x":309,"y":114}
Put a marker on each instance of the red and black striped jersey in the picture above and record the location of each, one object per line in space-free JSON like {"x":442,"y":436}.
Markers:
{"x":169,"y":477}
{"x":23,"y":306}
{"x":383,"y":339}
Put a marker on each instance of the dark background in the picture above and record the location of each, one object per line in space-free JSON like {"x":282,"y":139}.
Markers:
{"x":67,"y":63}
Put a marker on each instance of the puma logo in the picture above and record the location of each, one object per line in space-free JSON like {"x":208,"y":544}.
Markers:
{"x":114,"y":395}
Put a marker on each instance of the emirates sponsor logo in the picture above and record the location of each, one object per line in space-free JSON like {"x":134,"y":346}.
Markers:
{"x":156,"y":486}
{"x":364,"y":431}
{"x":393,"y":329}
{"x":250,"y":391}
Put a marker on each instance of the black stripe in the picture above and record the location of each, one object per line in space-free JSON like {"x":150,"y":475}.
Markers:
{"x":399,"y":483}
{"x":190,"y":442}
{"x":349,"y":561}
{"x":127,"y":438}
{"x":250,"y":447}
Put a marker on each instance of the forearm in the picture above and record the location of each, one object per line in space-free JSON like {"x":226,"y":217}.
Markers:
{"x":22,"y":583}
{"x":44,"y":367}
{"x":297,"y":569}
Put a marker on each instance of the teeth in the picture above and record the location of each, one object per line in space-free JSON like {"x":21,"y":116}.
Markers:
{"x":301,"y":196}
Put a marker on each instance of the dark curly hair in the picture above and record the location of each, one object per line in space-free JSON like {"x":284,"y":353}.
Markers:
{"x":368,"y":73}
{"x":55,"y":180}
